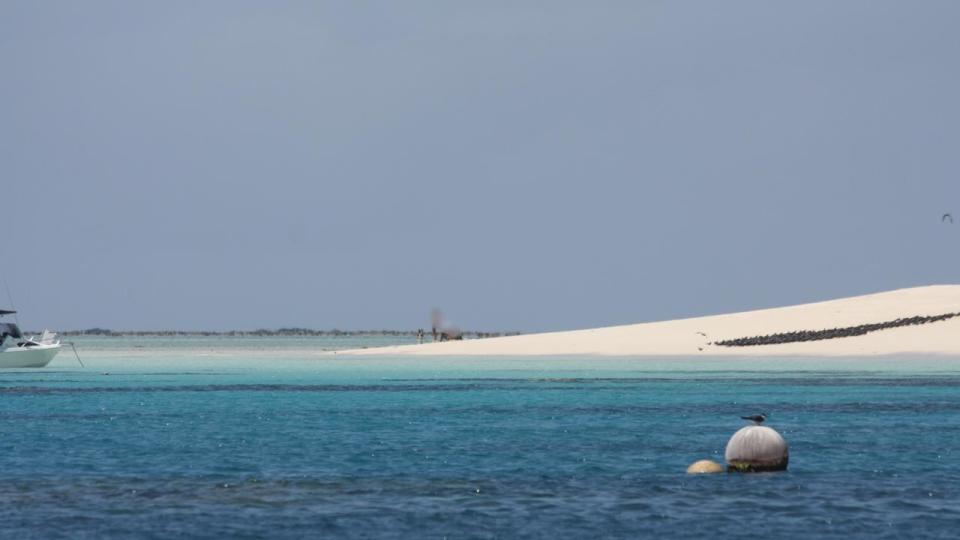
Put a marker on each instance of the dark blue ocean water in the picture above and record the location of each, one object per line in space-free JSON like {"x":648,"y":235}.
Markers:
{"x":208,"y":442}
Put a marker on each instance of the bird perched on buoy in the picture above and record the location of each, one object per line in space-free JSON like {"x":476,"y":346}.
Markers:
{"x":757,"y":419}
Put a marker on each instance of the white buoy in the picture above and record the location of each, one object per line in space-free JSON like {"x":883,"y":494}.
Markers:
{"x":755,"y":449}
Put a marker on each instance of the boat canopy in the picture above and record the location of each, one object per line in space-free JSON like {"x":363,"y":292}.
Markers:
{"x":6,"y":312}
{"x":9,"y":330}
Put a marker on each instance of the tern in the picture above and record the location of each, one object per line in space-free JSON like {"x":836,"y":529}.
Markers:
{"x":757,"y":419}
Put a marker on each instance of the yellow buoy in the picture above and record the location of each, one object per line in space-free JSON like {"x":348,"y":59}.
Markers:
{"x":704,"y":466}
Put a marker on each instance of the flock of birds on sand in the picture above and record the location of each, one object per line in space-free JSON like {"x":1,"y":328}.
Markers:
{"x":758,"y":419}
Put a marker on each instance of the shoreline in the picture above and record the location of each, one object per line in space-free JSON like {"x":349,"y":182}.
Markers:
{"x":280,"y":332}
{"x":917,"y":321}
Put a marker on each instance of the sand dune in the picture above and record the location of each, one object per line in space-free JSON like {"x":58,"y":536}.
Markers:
{"x":684,"y":337}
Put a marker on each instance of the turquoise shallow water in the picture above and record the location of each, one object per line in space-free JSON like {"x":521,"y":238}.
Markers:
{"x":244,"y":437}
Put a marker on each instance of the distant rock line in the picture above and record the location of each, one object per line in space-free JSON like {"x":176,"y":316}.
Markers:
{"x":833,"y":333}
{"x":262,"y":332}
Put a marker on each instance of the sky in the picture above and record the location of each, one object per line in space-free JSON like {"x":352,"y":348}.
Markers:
{"x":521,"y":165}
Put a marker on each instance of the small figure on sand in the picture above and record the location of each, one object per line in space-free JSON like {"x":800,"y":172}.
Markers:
{"x":435,"y":321}
{"x":419,"y":335}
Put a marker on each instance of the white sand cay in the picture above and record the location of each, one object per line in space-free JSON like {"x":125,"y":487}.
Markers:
{"x":683,"y":337}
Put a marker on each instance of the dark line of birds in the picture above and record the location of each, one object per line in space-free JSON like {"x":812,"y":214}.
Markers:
{"x":832,"y":333}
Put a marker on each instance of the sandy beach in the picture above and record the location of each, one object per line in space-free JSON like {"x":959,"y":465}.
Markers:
{"x":904,"y":313}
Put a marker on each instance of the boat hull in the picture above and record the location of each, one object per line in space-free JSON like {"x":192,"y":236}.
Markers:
{"x":28,"y":357}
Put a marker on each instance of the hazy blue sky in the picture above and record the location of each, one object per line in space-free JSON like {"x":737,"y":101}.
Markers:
{"x":529,"y":166}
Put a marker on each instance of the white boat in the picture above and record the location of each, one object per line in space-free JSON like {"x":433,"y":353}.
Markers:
{"x":18,"y":351}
